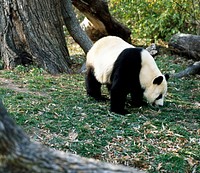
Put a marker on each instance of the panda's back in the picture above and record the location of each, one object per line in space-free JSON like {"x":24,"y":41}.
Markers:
{"x":103,"y":55}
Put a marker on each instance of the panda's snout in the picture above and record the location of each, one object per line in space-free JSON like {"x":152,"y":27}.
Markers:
{"x":158,"y":103}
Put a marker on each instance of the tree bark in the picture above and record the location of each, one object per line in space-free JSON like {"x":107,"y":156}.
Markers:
{"x":98,"y":14}
{"x":186,"y":44}
{"x":32,"y":31}
{"x":19,"y":155}
{"x":1,"y":28}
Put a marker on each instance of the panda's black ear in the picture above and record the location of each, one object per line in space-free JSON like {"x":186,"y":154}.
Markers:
{"x":166,"y":77}
{"x":158,"y":80}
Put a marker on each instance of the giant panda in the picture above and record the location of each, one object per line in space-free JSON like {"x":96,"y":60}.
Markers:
{"x":124,"y":69}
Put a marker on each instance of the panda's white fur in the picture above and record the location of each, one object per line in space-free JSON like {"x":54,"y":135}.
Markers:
{"x":148,"y":73}
{"x":105,"y":52}
{"x":103,"y":63}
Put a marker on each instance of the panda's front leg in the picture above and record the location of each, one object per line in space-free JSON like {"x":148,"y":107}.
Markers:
{"x":117,"y":100}
{"x":137,"y":97}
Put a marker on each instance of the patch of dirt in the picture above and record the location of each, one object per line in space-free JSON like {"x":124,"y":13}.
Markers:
{"x":9,"y":84}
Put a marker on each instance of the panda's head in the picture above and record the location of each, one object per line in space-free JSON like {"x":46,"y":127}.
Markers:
{"x":156,"y":90}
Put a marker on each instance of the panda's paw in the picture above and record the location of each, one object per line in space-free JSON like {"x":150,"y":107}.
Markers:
{"x":101,"y":99}
{"x":144,"y":103}
{"x":122,"y":112}
{"x":138,"y":103}
{"x":98,"y":98}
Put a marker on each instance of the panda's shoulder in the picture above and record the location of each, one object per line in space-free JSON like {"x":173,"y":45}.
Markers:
{"x":146,"y":57}
{"x":131,"y":52}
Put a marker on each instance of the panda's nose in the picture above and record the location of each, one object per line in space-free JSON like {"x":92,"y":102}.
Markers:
{"x":159,"y":102}
{"x":160,"y":105}
{"x":157,"y":105}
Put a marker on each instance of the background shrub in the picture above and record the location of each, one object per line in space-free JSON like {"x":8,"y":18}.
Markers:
{"x":157,"y":19}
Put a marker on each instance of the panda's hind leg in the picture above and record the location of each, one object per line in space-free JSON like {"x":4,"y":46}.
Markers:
{"x":93,"y":87}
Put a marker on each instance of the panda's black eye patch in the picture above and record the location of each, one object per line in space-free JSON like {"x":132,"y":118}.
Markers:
{"x":159,"y":97}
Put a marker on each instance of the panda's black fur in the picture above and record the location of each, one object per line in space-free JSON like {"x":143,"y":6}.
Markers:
{"x":125,"y":68}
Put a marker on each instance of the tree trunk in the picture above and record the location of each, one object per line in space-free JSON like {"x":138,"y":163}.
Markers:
{"x":186,"y":44}
{"x":98,"y":14}
{"x":19,"y":155}
{"x":32,"y":31}
{"x":1,"y":26}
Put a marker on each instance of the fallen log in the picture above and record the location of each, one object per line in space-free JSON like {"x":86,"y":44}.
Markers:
{"x":186,"y":44}
{"x":190,"y":70}
{"x":19,"y":155}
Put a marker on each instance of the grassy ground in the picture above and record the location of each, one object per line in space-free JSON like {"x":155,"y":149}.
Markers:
{"x":56,"y":111}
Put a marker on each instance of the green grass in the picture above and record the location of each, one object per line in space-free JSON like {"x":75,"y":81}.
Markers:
{"x":57,"y":112}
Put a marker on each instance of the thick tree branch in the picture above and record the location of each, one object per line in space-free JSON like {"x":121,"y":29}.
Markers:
{"x":191,"y":70}
{"x":74,"y":28}
{"x":19,"y":155}
{"x":97,"y":12}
